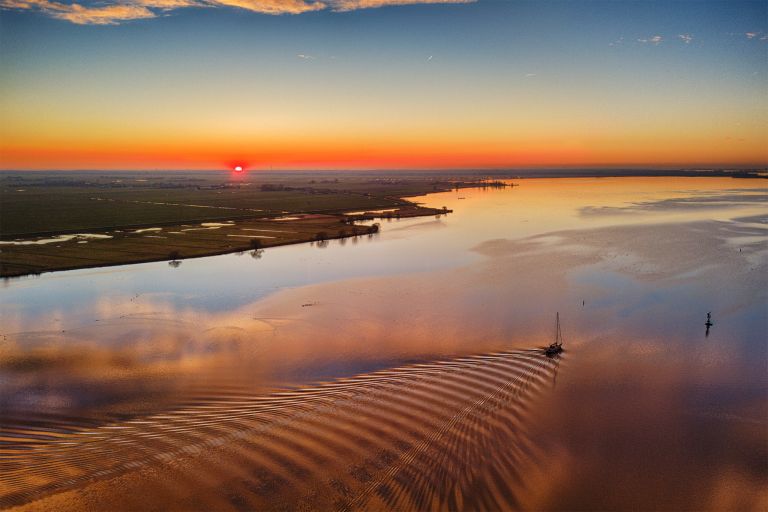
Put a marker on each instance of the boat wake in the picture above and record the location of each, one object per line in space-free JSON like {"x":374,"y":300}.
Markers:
{"x":449,"y":434}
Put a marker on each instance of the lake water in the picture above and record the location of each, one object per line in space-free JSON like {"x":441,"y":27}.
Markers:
{"x":404,"y":371}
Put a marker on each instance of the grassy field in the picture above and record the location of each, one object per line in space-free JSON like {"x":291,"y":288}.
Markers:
{"x":158,"y":216}
{"x":173,"y":243}
{"x":37,"y":206}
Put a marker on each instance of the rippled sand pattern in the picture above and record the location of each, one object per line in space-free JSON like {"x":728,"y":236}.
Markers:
{"x":444,"y":435}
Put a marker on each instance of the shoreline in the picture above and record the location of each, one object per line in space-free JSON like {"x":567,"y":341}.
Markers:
{"x":310,"y":234}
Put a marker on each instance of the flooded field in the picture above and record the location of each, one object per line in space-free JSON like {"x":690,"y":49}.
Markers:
{"x":403,"y":370}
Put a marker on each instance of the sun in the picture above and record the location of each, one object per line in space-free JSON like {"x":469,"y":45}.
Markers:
{"x":238,"y":168}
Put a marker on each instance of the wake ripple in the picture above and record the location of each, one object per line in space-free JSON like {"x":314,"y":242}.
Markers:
{"x":443,"y":435}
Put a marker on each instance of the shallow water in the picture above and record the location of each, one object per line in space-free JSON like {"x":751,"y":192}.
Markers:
{"x":81,"y":237}
{"x":397,"y":370}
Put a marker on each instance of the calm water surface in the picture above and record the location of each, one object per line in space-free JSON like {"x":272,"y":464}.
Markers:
{"x":400,"y":371}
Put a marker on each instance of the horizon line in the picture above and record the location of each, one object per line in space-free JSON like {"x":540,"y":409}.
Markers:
{"x":719,"y":168}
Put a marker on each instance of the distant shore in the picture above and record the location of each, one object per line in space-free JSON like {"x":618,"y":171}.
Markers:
{"x":553,"y":172}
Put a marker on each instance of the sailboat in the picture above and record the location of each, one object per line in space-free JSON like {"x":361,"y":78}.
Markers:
{"x":557,"y":346}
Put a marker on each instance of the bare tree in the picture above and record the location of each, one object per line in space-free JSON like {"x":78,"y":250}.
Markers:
{"x":175,"y":258}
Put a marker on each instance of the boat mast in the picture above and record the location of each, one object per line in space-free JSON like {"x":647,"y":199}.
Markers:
{"x":558,"y":333}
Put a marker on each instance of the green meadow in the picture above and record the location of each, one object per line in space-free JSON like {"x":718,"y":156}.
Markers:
{"x":38,"y":206}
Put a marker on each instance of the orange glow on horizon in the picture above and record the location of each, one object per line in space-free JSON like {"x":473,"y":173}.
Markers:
{"x":359,"y":155}
{"x":418,"y":133}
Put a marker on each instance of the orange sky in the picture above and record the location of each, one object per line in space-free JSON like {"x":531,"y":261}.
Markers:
{"x":468,"y":85}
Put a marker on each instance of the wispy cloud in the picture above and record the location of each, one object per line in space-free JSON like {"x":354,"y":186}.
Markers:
{"x":271,"y":6}
{"x":352,"y":5}
{"x":168,"y":4}
{"x":305,"y":56}
{"x":109,"y":14}
{"x":686,"y":38}
{"x":760,"y":36}
{"x":651,"y":40}
{"x":114,"y":12}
